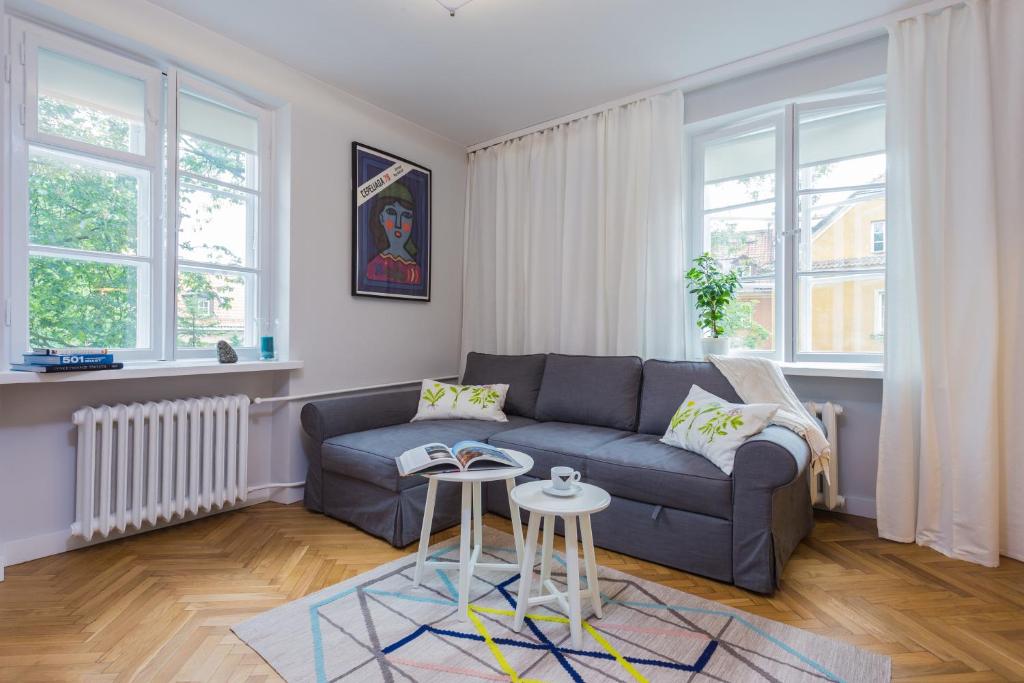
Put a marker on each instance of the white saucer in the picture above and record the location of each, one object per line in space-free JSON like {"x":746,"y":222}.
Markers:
{"x":562,"y":493}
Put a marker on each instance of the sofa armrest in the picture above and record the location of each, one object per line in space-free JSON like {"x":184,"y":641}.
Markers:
{"x":771,"y":506}
{"x":359,"y":412}
{"x":773,"y":458}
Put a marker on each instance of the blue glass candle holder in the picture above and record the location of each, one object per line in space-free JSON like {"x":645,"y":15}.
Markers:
{"x":266,"y":348}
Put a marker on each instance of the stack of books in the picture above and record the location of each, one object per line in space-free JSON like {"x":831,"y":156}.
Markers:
{"x":67,"y":360}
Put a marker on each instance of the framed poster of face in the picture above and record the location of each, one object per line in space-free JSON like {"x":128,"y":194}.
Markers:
{"x":390,"y":226}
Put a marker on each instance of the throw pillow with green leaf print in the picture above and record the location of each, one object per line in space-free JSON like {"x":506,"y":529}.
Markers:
{"x":715,"y":428}
{"x":440,"y":401}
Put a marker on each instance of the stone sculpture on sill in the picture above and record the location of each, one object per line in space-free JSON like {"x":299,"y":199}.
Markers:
{"x":226,"y":354}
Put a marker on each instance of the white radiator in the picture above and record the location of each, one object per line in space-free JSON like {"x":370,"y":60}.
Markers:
{"x":147,"y":462}
{"x":826,"y":493}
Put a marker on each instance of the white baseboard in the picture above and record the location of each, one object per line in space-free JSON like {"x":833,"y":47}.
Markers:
{"x":860,"y":507}
{"x":44,"y":545}
{"x":289,"y":495}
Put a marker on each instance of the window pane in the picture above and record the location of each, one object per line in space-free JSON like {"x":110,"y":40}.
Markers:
{"x":80,"y":203}
{"x":215,"y":306}
{"x":745,"y":154}
{"x":844,"y":173}
{"x":743,"y":238}
{"x":84,"y":303}
{"x":89,"y":103}
{"x":752,"y":188}
{"x":216,"y":225}
{"x":842,"y":313}
{"x":836,"y":230}
{"x":216,"y":161}
{"x":750,"y":320}
{"x":842,"y":147}
{"x":740,"y":169}
{"x":204,"y":118}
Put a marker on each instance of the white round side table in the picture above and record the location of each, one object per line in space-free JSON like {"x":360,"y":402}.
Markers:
{"x":472,"y":514}
{"x":589,"y":500}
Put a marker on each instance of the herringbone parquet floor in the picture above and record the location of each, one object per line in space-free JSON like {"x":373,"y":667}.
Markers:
{"x":158,"y":606}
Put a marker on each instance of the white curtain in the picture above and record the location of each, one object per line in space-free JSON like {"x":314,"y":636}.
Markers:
{"x":574,"y":237}
{"x":951,"y":454}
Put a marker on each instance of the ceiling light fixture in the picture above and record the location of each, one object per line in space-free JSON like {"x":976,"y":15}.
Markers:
{"x":453,"y":5}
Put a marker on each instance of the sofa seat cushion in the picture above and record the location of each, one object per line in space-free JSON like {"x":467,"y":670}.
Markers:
{"x":640,"y":467}
{"x":370,"y":456}
{"x":557,"y":443}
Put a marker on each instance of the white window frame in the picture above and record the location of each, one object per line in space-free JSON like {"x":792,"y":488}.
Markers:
{"x":788,"y":297}
{"x":34,"y":38}
{"x":259,"y":306}
{"x":696,"y":236}
{"x":26,"y":41}
{"x":158,"y":247}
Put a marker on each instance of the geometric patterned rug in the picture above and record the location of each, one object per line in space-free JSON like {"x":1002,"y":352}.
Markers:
{"x":378,"y":627}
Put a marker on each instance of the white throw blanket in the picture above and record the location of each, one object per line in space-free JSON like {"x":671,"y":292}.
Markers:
{"x":759,"y":380}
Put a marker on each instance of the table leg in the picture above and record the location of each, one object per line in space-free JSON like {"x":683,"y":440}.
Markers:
{"x":478,"y":523}
{"x":465,"y":571}
{"x":526,"y":572}
{"x":517,"y":522}
{"x":572,"y":569}
{"x":428,"y":520}
{"x":547,"y":548}
{"x":590,"y":562}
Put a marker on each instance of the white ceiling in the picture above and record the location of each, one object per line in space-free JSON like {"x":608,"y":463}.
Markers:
{"x":502,"y":65}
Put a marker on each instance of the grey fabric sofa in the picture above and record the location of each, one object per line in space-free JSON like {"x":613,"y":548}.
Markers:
{"x":603,"y":416}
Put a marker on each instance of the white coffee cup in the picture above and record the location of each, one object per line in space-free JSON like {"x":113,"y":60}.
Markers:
{"x":563,"y":477}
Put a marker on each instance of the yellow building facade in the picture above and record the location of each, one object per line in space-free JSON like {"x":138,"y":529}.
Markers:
{"x":845,"y":312}
{"x":841,"y":311}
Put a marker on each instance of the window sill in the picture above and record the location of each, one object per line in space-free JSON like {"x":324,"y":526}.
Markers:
{"x":145,"y":370}
{"x":847,"y":370}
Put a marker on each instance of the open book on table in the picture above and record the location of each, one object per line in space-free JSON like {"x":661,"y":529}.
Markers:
{"x":434,"y":458}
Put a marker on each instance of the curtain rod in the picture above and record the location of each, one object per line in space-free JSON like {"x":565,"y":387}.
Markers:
{"x":809,"y":47}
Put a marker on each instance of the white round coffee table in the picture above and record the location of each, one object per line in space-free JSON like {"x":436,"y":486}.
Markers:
{"x":472,"y":514}
{"x":541,"y":505}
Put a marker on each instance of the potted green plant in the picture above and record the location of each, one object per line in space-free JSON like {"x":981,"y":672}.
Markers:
{"x":715,"y":290}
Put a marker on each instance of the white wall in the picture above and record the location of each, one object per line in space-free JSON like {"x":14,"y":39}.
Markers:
{"x":858,"y":433}
{"x":343,"y":340}
{"x":861,"y":398}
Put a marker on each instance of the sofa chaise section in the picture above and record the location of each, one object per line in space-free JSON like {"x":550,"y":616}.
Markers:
{"x":352,"y":474}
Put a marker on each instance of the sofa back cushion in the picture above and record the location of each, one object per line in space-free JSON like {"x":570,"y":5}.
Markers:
{"x":522,"y":374}
{"x":592,"y":390}
{"x":666,"y":384}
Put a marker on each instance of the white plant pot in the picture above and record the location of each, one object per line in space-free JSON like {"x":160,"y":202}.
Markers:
{"x":715,"y":346}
